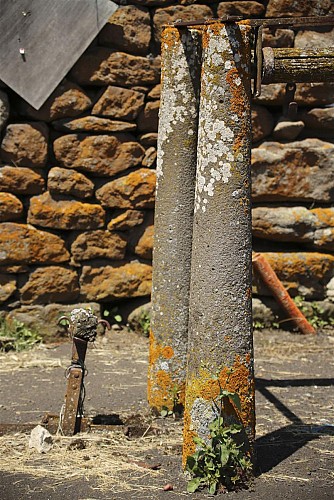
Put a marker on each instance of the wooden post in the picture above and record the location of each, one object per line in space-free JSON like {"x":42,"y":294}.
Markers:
{"x":220,"y":349}
{"x":176,"y":169}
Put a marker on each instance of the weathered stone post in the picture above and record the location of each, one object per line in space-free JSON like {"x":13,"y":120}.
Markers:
{"x":220,"y":351}
{"x":176,"y":170}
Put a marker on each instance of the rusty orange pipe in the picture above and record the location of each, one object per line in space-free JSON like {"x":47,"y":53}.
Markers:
{"x":269,"y":277}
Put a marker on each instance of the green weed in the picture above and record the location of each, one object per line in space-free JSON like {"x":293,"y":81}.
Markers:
{"x":16,"y":336}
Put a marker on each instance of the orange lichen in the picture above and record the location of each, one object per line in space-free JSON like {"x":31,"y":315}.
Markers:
{"x":325,"y":216}
{"x":238,"y":379}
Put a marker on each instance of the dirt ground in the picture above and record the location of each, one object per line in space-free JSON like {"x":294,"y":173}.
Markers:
{"x":141,"y":454}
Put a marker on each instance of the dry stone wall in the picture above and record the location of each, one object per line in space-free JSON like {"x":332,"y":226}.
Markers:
{"x":77,"y":177}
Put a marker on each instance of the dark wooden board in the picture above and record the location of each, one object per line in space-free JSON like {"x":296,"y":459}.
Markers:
{"x":53,"y":34}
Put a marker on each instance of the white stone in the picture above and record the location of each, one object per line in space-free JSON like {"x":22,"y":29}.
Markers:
{"x":40,"y":439}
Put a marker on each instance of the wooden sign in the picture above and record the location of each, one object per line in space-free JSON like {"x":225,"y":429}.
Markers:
{"x":40,"y":40}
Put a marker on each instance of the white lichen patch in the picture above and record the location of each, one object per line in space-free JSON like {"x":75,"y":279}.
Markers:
{"x":202,"y":414}
{"x":218,"y":124}
{"x":179,"y":102}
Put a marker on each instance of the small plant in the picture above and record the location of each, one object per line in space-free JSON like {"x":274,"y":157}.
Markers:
{"x":220,"y":463}
{"x":177,"y":409}
{"x":313,"y":312}
{"x":145,"y":323}
{"x":16,"y":336}
{"x":113,"y":314}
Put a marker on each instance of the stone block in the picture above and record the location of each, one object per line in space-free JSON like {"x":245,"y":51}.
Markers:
{"x":50,"y":284}
{"x":141,"y":241}
{"x":312,"y":227}
{"x":287,"y":8}
{"x":126,"y":220}
{"x":307,"y":94}
{"x":262,"y":123}
{"x":67,"y":100}
{"x":175,"y":12}
{"x":299,"y":171}
{"x":318,"y":118}
{"x":103,"y":66}
{"x":128,"y":30}
{"x":21,"y":180}
{"x":148,"y":119}
{"x":277,"y":38}
{"x":97,"y":245}
{"x":69,"y":182}
{"x":11,"y":207}
{"x":101,"y":155}
{"x":286,"y":130}
{"x":311,"y":39}
{"x":4,"y":109}
{"x":44,"y":211}
{"x":7,"y":287}
{"x":24,"y":244}
{"x":107,"y":283}
{"x":241,"y":8}
{"x":135,"y":191}
{"x":155,"y":92}
{"x":119,"y":103}
{"x":94,"y":124}
{"x":25,"y":144}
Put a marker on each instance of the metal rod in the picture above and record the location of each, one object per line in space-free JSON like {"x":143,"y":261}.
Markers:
{"x":283,"y":22}
{"x":181,"y":64}
{"x":220,"y":351}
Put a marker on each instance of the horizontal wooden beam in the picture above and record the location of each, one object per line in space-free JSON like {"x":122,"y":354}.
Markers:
{"x":297,"y":65}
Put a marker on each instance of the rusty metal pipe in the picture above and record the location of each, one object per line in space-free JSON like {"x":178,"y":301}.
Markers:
{"x":270,"y":279}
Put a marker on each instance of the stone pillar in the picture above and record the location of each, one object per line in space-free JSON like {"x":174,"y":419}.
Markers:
{"x":220,"y":351}
{"x":176,"y":171}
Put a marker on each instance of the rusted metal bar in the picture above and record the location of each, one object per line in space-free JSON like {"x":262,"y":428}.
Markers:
{"x":297,"y":65}
{"x":269,"y":277}
{"x":82,"y":328}
{"x":279,"y":22}
{"x":220,"y":350}
{"x":176,"y":170}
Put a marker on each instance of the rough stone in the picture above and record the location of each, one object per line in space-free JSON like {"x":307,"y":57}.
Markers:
{"x":40,"y":439}
{"x":23,"y":244}
{"x":20,"y":180}
{"x":287,"y":8}
{"x":148,"y":119}
{"x":311,"y":39}
{"x":136,"y":190}
{"x":128,"y":29}
{"x":155,"y":93}
{"x":67,"y":100}
{"x":126,"y":220}
{"x":99,"y":244}
{"x":262,"y":314}
{"x":153,"y":3}
{"x":287,"y":130}
{"x":318,"y":118}
{"x":302,"y":273}
{"x":119,"y":103}
{"x":307,"y":94}
{"x":176,"y":12}
{"x":7,"y":287}
{"x":262,"y":123}
{"x":46,"y":212}
{"x":150,"y":157}
{"x":142,"y":241}
{"x":243,"y":8}
{"x":101,"y":155}
{"x":50,"y":284}
{"x":296,"y":171}
{"x":25,"y":144}
{"x":44,"y":319}
{"x":4,"y":109}
{"x":278,"y":37}
{"x":94,"y":124}
{"x":106,"y":283}
{"x":69,"y":182}
{"x":330,"y":289}
{"x":149,"y":139}
{"x":313,"y":227}
{"x":137,"y":316}
{"x":103,"y":66}
{"x":11,"y":207}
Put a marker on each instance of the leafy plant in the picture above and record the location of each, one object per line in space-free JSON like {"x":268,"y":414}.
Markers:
{"x":313,"y":312}
{"x":220,"y":463}
{"x":16,"y":336}
{"x":145,"y":323}
{"x":177,"y":409}
{"x":113,"y":314}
